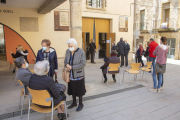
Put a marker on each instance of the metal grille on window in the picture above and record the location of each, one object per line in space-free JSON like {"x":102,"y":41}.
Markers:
{"x":95,"y":3}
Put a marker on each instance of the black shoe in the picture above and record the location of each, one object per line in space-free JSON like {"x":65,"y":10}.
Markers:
{"x":121,"y":65}
{"x":114,"y":79}
{"x":105,"y":80}
{"x":72,"y":105}
{"x":93,"y":63}
{"x":62,"y":116}
{"x":14,"y":70}
{"x":80,"y":107}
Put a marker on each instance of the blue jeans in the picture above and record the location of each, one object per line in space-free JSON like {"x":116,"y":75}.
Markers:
{"x":159,"y":79}
{"x":154,"y":72}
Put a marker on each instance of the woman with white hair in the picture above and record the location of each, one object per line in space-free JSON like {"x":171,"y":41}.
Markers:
{"x":40,"y":81}
{"x":75,"y":61}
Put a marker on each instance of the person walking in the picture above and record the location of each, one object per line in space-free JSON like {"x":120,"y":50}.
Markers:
{"x":147,"y":52}
{"x":92,"y":49}
{"x":160,"y":52}
{"x":49,"y":54}
{"x":139,"y":54}
{"x":75,"y":61}
{"x":152,"y":58}
{"x":121,"y":47}
{"x":126,"y":52}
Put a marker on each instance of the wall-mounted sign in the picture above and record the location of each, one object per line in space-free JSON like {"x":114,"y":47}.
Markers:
{"x":6,"y":11}
{"x":61,"y":20}
{"x":123,"y":24}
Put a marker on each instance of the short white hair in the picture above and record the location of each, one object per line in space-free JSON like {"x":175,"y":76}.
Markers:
{"x":41,"y":68}
{"x":73,"y":41}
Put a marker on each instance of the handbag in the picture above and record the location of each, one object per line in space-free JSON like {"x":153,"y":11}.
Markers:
{"x":94,"y":48}
{"x":160,"y":68}
{"x":65,"y":75}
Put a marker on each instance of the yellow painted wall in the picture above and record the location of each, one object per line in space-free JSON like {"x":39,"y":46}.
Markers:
{"x":46,"y":28}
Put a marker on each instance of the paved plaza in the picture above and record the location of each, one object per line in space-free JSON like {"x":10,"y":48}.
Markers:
{"x":115,"y":102}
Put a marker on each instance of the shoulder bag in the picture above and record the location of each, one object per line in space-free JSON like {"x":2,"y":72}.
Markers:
{"x":94,"y":48}
{"x":65,"y":75}
{"x":160,"y":68}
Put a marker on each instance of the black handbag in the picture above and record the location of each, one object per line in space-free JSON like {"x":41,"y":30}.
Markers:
{"x":160,"y":68}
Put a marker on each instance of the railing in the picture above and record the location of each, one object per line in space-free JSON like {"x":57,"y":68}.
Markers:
{"x":156,"y":24}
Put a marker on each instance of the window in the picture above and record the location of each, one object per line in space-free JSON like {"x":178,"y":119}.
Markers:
{"x":142,"y":22}
{"x":95,"y":3}
{"x":166,"y":13}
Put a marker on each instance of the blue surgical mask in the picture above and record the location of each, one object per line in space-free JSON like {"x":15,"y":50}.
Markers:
{"x":44,"y":48}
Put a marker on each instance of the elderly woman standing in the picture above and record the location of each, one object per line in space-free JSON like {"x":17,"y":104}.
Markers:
{"x":75,"y":61}
{"x":49,"y":54}
{"x":139,"y":54}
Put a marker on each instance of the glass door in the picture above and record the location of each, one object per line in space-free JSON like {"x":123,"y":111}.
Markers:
{"x":172,"y":43}
{"x":2,"y":44}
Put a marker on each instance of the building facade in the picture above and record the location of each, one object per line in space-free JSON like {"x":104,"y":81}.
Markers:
{"x":28,"y":23}
{"x":157,"y":18}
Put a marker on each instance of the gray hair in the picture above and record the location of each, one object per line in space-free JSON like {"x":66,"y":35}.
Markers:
{"x":41,"y":68}
{"x":72,"y":40}
{"x":121,"y":38}
{"x":19,"y":61}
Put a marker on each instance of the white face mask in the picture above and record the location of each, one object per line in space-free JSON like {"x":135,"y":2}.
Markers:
{"x":27,"y":65}
{"x":71,"y":49}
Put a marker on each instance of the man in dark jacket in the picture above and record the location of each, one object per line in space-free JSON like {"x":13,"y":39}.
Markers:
{"x":23,"y":74}
{"x":121,"y":47}
{"x":40,"y":81}
{"x":127,"y":51}
{"x":92,"y":49}
{"x":112,"y":59}
{"x":113,"y":46}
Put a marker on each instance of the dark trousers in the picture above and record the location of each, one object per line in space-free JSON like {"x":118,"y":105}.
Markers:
{"x":105,"y":77}
{"x":136,"y":58}
{"x":122,"y":59}
{"x":126,"y":59}
{"x":140,"y":60}
{"x":92,"y":56}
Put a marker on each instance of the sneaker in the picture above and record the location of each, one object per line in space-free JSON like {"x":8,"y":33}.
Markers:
{"x":161,"y":88}
{"x":158,"y":90}
{"x":153,"y":90}
{"x":149,"y":72}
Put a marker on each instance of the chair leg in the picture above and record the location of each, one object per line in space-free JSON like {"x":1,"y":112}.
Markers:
{"x":45,"y":116}
{"x":128,"y":79}
{"x":123,"y":77}
{"x":140,"y":78}
{"x":20,"y":101}
{"x":22,"y":106}
{"x":66,"y":111}
{"x":119,"y":79}
{"x":29,"y":109}
{"x":102,"y":77}
{"x":145,"y":77}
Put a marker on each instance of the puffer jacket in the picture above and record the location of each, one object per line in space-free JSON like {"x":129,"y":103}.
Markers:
{"x":78,"y":64}
{"x":46,"y":83}
{"x":20,"y":53}
{"x":53,"y":62}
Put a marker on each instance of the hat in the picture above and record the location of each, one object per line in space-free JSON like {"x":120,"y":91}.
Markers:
{"x":113,"y":52}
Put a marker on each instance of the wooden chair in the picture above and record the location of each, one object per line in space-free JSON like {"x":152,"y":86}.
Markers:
{"x":113,"y":67}
{"x":146,"y":69}
{"x":134,"y":69}
{"x":22,"y":94}
{"x":42,"y":97}
{"x":32,"y":71}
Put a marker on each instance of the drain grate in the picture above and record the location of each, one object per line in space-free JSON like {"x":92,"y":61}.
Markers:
{"x":18,"y":113}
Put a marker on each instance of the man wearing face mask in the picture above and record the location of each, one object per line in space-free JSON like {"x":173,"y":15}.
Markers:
{"x":23,"y":73}
{"x":49,"y":54}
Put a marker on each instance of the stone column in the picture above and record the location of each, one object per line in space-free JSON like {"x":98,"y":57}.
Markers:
{"x":76,"y":21}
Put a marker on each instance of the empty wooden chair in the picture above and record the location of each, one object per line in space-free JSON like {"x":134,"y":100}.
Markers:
{"x":146,"y":69}
{"x":42,"y":97}
{"x":113,"y":67}
{"x":22,"y":94}
{"x":134,"y":69}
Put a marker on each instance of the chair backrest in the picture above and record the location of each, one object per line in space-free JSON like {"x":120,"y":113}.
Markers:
{"x":20,"y":83}
{"x":22,"y":86}
{"x":148,"y":64}
{"x":114,"y":66}
{"x":135,"y":66}
{"x":39,"y":97}
{"x":32,"y":71}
